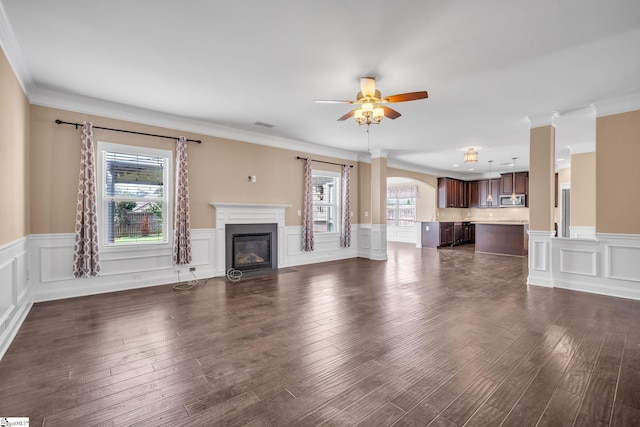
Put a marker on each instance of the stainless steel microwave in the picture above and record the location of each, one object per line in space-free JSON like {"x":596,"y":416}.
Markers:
{"x":508,"y":202}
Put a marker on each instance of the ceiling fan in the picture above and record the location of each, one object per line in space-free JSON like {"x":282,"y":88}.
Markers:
{"x":371,"y":108}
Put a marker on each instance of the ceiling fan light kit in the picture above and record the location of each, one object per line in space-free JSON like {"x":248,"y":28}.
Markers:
{"x":371,"y":110}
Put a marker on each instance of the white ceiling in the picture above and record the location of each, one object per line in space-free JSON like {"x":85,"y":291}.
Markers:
{"x":228,"y":64}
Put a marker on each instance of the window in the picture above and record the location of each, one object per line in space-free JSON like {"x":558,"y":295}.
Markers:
{"x":326,"y":201}
{"x":401,"y":205}
{"x":133,"y":195}
{"x":401,"y":211}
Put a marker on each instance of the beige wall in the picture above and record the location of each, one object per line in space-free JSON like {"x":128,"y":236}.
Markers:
{"x":617,"y":173}
{"x":379,"y":190}
{"x":542,"y":178}
{"x":364,"y":193}
{"x":583,"y":189}
{"x":14,"y":156}
{"x":218,"y":170}
{"x":564,"y":176}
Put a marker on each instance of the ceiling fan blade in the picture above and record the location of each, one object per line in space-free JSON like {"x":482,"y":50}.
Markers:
{"x":390,"y":113}
{"x":411,"y":96}
{"x":347,"y":116}
{"x":332,"y":101}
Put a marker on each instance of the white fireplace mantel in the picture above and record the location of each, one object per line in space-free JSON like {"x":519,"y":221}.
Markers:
{"x":246,"y":213}
{"x":223,"y":205}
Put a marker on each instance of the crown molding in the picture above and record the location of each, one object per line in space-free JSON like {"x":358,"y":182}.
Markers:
{"x":378,"y":153}
{"x":97,"y":107}
{"x":392,"y":163}
{"x":617,"y":106}
{"x":585,"y":147}
{"x":11,"y":48}
{"x":565,"y":164}
{"x":539,"y":120}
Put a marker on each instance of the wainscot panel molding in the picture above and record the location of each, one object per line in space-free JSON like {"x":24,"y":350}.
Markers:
{"x":608,"y":264}
{"x":540,"y":258}
{"x":402,"y":234}
{"x":372,"y":240}
{"x":326,"y":247}
{"x":52,"y":259}
{"x":16,"y":298}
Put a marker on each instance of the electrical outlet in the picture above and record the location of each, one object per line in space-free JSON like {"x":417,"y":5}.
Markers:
{"x":192,"y":269}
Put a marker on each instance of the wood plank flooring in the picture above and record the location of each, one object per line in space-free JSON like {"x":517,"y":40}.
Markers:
{"x":430,"y":337}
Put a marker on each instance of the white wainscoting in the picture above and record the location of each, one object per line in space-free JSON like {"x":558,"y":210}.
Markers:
{"x":402,"y":234}
{"x":372,"y":241}
{"x":582,"y":232}
{"x":608,"y":264}
{"x":16,"y":298}
{"x":326,"y":247}
{"x":540,"y":258}
{"x":52,"y":273}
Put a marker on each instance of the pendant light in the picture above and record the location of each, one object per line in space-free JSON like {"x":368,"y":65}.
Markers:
{"x":489,"y":195}
{"x":513,"y":182}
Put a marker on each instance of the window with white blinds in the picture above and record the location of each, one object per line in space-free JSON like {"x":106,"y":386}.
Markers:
{"x":133,"y":194}
{"x":326,"y":201}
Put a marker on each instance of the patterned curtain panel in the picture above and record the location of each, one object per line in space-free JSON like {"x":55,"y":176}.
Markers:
{"x":86,"y":259}
{"x":307,"y":209}
{"x":402,"y":192}
{"x":345,"y":236}
{"x":182,"y":222}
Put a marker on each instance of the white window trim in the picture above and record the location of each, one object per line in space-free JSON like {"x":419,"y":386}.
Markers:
{"x":168,"y":179}
{"x":338,"y":220}
{"x":396,"y":208}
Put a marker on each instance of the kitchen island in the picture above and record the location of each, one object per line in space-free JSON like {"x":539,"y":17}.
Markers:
{"x":505,"y":238}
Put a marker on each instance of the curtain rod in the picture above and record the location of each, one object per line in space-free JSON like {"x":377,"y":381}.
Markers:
{"x":60,"y":122}
{"x":322,"y":161}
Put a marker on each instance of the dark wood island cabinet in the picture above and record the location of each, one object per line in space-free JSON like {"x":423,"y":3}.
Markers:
{"x":504,"y":238}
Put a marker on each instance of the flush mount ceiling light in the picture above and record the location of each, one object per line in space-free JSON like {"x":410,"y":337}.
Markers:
{"x":470,"y":156}
{"x":371,"y":110}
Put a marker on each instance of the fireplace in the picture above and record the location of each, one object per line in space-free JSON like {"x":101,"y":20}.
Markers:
{"x":251,"y":247}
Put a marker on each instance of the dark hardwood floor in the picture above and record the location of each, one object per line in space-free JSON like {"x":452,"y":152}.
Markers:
{"x":442,"y":337}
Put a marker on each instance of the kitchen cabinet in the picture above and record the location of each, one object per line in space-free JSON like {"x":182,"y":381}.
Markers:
{"x":462,"y":232}
{"x":482,"y":191}
{"x":521,"y":183}
{"x":453,"y":193}
{"x":439,"y":234}
{"x":502,"y":238}
{"x":446,"y":234}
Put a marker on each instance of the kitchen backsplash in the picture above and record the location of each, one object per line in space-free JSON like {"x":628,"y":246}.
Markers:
{"x":474,"y":214}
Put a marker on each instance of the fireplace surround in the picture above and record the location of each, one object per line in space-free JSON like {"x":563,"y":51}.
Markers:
{"x":247,"y":213}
